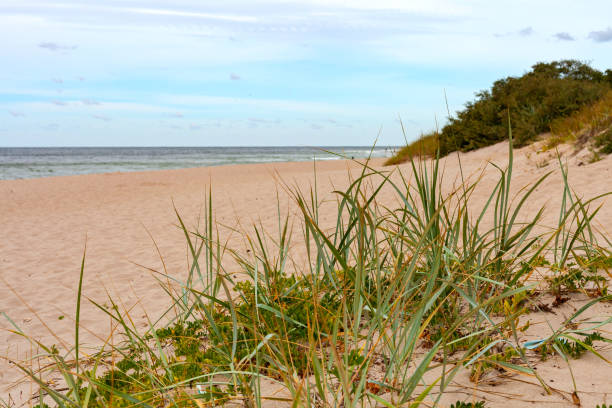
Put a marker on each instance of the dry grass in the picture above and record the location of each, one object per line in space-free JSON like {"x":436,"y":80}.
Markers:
{"x":584,"y":125}
{"x":425,"y":146}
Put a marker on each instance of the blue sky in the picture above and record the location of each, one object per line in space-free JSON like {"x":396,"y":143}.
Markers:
{"x":250,"y":72}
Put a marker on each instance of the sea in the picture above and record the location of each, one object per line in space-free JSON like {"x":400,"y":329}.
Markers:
{"x":32,"y":162}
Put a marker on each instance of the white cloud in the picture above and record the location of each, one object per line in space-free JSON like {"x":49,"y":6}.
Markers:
{"x":51,"y":46}
{"x":433,"y":6}
{"x":182,"y":13}
{"x":563,"y":36}
{"x":601,"y":36}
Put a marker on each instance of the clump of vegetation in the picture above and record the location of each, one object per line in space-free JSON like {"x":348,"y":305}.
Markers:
{"x":604,"y":141}
{"x":391,"y":303}
{"x":461,"y":404}
{"x":426,"y":146}
{"x":533,"y":103}
{"x":592,"y":122}
{"x":568,"y":345}
{"x":573,"y":278}
{"x":577,"y":347}
{"x":548,"y":92}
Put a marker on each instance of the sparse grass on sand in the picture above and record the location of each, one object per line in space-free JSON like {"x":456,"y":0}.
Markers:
{"x":593,"y":123}
{"x":392,"y":304}
{"x":424,"y":147}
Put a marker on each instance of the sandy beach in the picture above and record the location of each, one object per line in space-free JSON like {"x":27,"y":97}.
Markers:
{"x":121,"y":217}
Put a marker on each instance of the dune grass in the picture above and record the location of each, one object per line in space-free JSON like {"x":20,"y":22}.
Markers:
{"x":593,"y":123}
{"x":426,"y":146}
{"x":392,"y":304}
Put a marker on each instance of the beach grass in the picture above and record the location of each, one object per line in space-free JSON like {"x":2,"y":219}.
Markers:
{"x":426,"y":146}
{"x":392,"y":304}
{"x":591,"y":123}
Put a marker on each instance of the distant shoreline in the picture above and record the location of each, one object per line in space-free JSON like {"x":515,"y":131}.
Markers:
{"x":36,"y":162}
{"x":377,"y":161}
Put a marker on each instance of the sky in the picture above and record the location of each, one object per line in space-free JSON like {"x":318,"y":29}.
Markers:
{"x":251,"y":72}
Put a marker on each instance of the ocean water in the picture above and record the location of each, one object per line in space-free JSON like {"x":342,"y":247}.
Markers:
{"x":31,"y":162}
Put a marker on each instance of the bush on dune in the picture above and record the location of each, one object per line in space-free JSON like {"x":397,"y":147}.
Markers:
{"x":532,"y":102}
{"x":548,"y":92}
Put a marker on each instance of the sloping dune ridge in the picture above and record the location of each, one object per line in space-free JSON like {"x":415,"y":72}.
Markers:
{"x":128,"y":224}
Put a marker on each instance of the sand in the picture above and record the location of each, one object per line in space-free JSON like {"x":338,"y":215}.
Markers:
{"x":45,"y":224}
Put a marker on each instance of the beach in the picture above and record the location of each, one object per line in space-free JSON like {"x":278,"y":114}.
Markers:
{"x":126,"y":223}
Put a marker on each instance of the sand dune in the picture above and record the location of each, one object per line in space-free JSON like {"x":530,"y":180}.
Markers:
{"x":46,"y":223}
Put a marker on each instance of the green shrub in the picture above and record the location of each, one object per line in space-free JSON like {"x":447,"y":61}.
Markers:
{"x":549,"y":91}
{"x":532,"y":102}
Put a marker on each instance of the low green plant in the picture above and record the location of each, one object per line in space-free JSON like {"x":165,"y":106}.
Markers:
{"x":575,"y":278}
{"x":577,"y":348}
{"x":461,"y":404}
{"x":572,"y":348}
